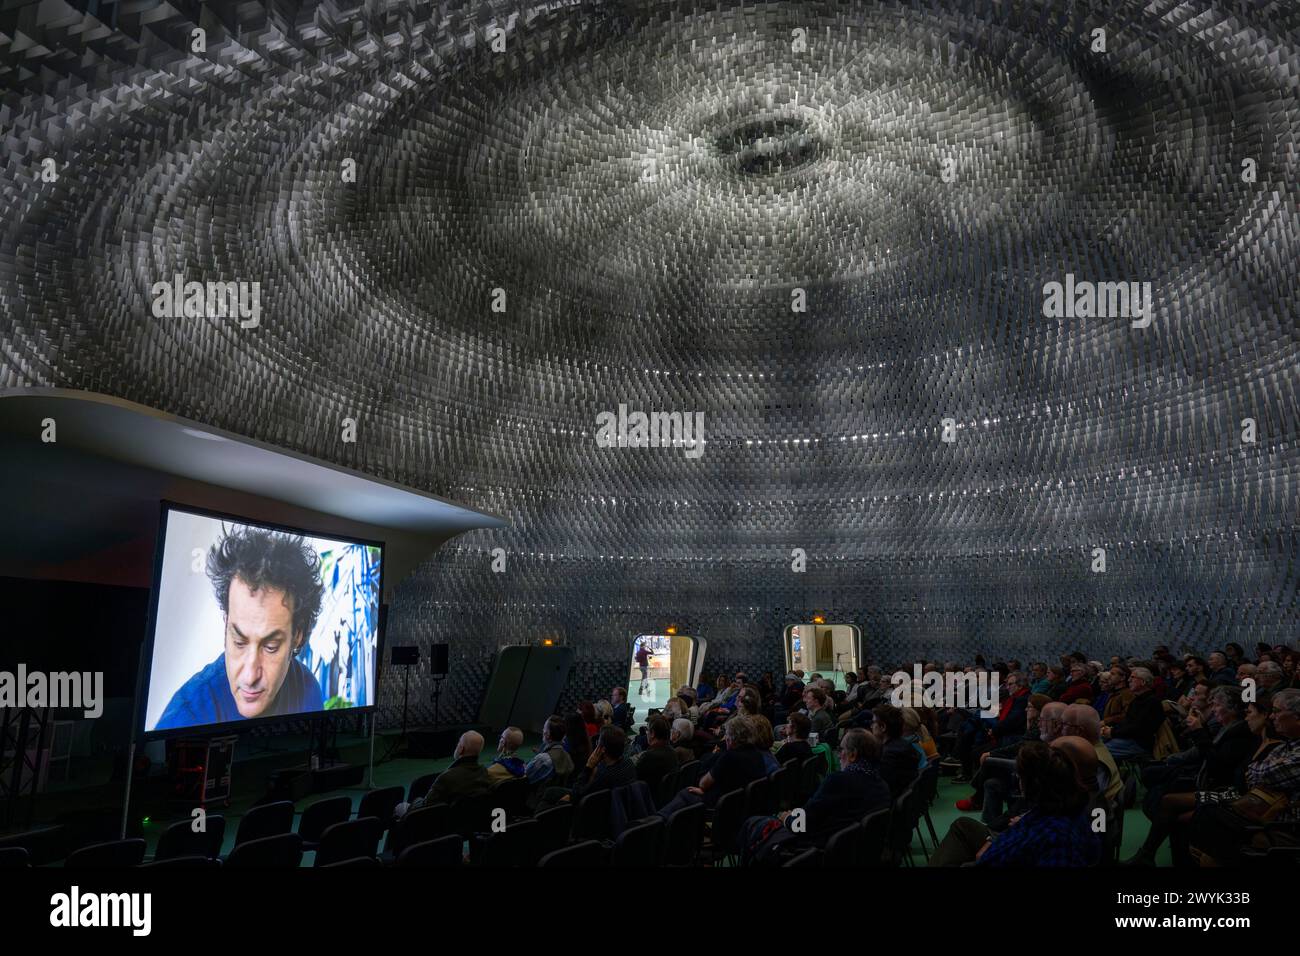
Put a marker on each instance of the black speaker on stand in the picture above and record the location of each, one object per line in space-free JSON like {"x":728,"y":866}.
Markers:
{"x":438,"y":668}
{"x":405,"y":658}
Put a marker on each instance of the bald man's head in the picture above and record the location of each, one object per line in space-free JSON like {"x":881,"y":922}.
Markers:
{"x":1082,"y":720}
{"x":1082,"y":756}
{"x":512,"y":738}
{"x":470,"y":744}
{"x":1049,"y":721}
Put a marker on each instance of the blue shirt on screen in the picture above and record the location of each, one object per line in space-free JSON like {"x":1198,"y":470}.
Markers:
{"x":206,"y":699}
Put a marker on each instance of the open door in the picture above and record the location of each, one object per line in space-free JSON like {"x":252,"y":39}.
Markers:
{"x":827,"y":649}
{"x":661,"y":663}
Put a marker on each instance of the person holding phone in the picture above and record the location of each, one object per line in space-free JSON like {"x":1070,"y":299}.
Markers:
{"x":607,"y":767}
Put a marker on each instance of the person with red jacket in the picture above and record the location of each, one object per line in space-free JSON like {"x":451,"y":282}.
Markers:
{"x":1078,"y":688}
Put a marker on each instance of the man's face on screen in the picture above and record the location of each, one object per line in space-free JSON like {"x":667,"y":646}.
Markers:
{"x":259,"y":645}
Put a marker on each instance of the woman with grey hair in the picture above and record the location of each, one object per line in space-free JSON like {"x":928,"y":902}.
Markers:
{"x":735,"y":767}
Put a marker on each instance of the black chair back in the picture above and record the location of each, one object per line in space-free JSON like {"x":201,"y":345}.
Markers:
{"x":475,"y":814}
{"x":760,"y":797}
{"x":446,"y":851}
{"x":420,"y":825}
{"x":113,"y":855}
{"x":842,"y":848}
{"x":929,"y":783}
{"x":588,"y":854}
{"x":270,"y":819}
{"x":726,"y":822}
{"x":356,"y":863}
{"x":380,"y":804}
{"x":14,"y":858}
{"x":788,"y":784}
{"x":281,"y":852}
{"x":179,"y":839}
{"x":684,"y":836}
{"x":554,"y":827}
{"x":322,"y":815}
{"x":901,"y":825}
{"x":347,"y":840}
{"x":420,"y":787}
{"x":688,"y":774}
{"x":593,"y":819}
{"x":640,"y":845}
{"x":183,"y":863}
{"x":873,"y":838}
{"x":511,"y":796}
{"x":809,"y":857}
{"x":514,"y":846}
{"x":667,"y":788}
{"x":810,"y":775}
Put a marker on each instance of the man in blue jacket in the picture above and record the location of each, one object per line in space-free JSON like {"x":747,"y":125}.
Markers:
{"x":268,"y":587}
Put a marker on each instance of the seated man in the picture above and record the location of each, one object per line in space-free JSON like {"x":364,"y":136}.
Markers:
{"x":1135,"y":735}
{"x":464,"y":778}
{"x":607,"y":767}
{"x":659,"y":759}
{"x":680,"y":737}
{"x":552,"y":766}
{"x":850,"y":793}
{"x":899,"y":760}
{"x":622,"y":716}
{"x":1082,"y":720}
{"x":844,"y":797}
{"x":507,"y":765}
{"x":1078,"y":688}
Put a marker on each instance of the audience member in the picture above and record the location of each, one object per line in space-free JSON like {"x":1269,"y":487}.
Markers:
{"x":507,"y":765}
{"x":659,"y":759}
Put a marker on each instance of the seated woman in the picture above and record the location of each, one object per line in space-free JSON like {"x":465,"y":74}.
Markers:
{"x":588,"y":711}
{"x":749,"y":704}
{"x":1219,"y":828}
{"x":1220,"y":764}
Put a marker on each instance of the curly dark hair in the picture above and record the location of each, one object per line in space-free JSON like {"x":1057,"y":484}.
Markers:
{"x":269,"y":559}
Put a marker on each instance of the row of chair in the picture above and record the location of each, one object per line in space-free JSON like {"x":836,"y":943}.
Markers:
{"x":266,"y":836}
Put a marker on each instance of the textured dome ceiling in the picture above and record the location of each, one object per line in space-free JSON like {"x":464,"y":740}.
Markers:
{"x":647,"y":193}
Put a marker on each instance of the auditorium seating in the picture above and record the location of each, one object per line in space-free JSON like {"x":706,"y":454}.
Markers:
{"x":280,"y":851}
{"x":269,"y":819}
{"x":114,"y":854}
{"x":320,"y":816}
{"x":180,"y":839}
